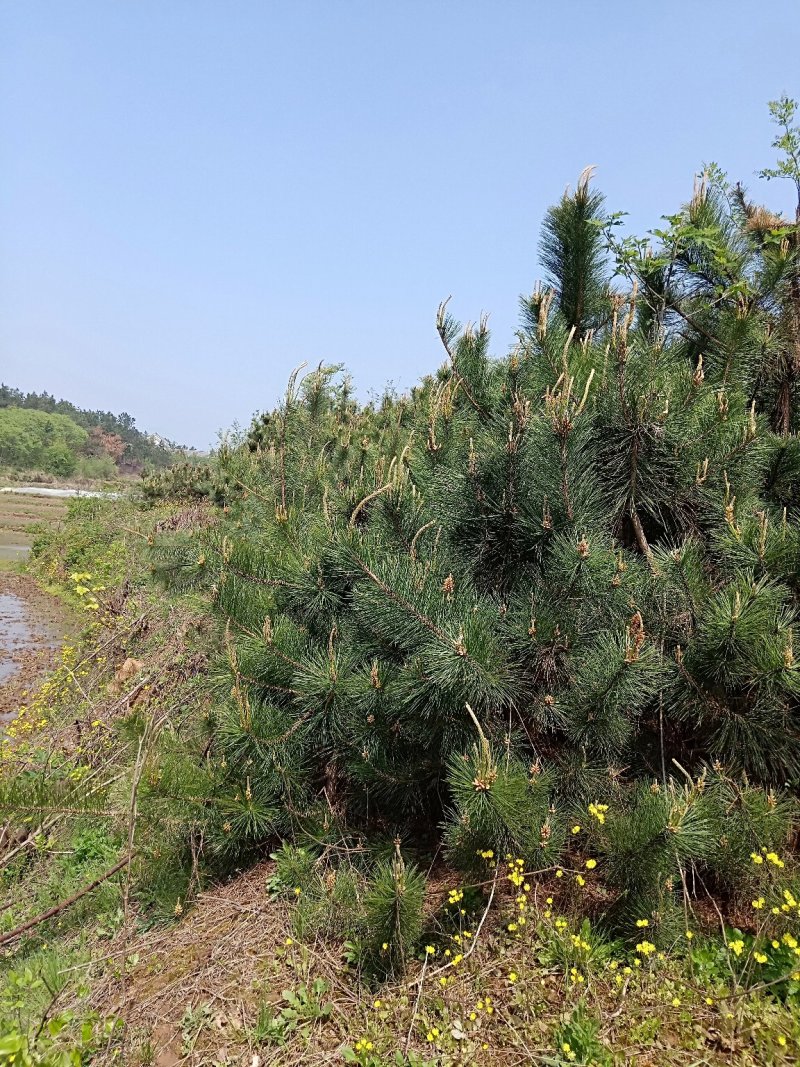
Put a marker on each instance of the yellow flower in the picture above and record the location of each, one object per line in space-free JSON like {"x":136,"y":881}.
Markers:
{"x":385,"y":946}
{"x":754,"y":856}
{"x":645,"y":947}
{"x":559,"y":873}
{"x":689,"y":935}
{"x":709,"y":1000}
{"x":512,"y":977}
{"x":760,"y":957}
{"x":676,"y":1002}
{"x":288,"y":941}
{"x":576,"y":829}
{"x":429,"y":950}
{"x":591,"y":864}
{"x":781,"y":1040}
{"x":759,"y":904}
{"x":736,"y":946}
{"x":377,"y":1003}
{"x":642,"y":922}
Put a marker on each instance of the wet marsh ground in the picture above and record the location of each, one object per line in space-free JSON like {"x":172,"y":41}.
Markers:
{"x":32,"y":623}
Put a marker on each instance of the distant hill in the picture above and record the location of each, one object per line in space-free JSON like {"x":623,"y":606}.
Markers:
{"x":38,"y":432}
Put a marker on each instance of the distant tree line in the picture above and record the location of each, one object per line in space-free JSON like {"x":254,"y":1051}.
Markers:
{"x":116,"y":436}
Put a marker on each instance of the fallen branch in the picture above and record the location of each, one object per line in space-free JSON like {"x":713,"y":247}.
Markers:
{"x":12,"y":935}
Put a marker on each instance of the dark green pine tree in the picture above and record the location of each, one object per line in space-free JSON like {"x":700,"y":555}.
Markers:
{"x":564,"y":577}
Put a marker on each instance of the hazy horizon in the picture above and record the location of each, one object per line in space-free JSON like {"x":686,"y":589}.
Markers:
{"x":197,"y":197}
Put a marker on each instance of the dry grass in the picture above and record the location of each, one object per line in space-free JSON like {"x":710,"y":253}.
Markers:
{"x":191,"y":994}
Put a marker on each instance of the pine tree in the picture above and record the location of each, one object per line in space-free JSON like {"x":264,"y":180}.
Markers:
{"x":560,"y":578}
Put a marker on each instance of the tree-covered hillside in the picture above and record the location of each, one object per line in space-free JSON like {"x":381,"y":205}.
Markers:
{"x":33,"y":440}
{"x":115,"y":437}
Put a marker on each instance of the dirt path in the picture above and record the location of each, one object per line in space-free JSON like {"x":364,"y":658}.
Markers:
{"x":32,"y":626}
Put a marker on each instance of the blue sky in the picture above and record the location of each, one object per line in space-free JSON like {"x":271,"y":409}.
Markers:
{"x":196,"y":196}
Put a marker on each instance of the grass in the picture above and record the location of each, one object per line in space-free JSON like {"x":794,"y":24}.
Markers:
{"x":229,"y":977}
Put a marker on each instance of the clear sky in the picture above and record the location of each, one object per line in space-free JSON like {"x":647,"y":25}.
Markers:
{"x":197,"y":195}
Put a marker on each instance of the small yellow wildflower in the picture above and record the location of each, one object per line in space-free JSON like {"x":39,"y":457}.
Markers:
{"x":512,"y":977}
{"x":591,"y":864}
{"x":642,"y":922}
